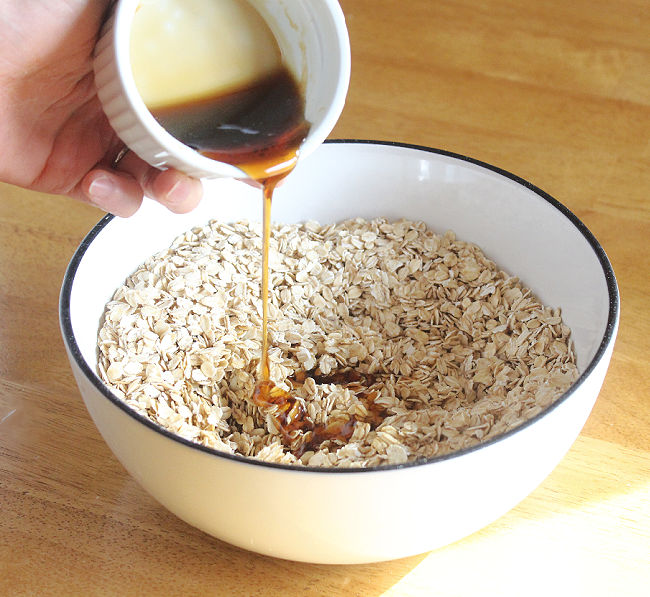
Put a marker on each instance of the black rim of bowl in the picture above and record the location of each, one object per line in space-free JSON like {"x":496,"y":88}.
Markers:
{"x":612,"y":288}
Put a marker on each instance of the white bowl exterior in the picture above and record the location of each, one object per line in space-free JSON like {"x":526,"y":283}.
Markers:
{"x":343,"y":517}
{"x":313,"y":39}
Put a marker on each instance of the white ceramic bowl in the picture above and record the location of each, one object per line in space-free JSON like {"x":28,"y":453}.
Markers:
{"x":353,"y":516}
{"x":313,"y":39}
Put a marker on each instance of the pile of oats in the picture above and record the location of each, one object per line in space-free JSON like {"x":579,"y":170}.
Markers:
{"x":458,"y":351}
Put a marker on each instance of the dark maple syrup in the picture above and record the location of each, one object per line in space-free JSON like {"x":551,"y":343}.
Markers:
{"x":258,"y":127}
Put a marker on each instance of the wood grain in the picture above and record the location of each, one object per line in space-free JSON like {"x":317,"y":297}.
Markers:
{"x":557,"y":92}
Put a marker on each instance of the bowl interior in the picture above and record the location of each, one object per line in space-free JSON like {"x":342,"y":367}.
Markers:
{"x":525,"y":232}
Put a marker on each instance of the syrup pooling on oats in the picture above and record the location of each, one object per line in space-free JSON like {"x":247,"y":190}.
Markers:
{"x":298,"y":432}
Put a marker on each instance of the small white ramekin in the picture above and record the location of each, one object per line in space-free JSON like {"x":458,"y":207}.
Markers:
{"x":313,"y":39}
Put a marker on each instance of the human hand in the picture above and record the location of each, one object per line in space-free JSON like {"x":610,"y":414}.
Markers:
{"x":54,"y":136}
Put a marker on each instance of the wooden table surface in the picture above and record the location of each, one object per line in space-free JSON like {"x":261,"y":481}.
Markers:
{"x":557,"y":92}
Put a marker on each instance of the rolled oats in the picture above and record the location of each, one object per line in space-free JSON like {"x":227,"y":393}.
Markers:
{"x":453,"y":350}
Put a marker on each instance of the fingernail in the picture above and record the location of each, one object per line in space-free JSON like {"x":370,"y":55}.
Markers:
{"x":183,"y":195}
{"x":179,"y":192}
{"x":100,"y":191}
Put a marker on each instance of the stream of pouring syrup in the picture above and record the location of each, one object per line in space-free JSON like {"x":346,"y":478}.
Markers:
{"x":260,"y":129}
